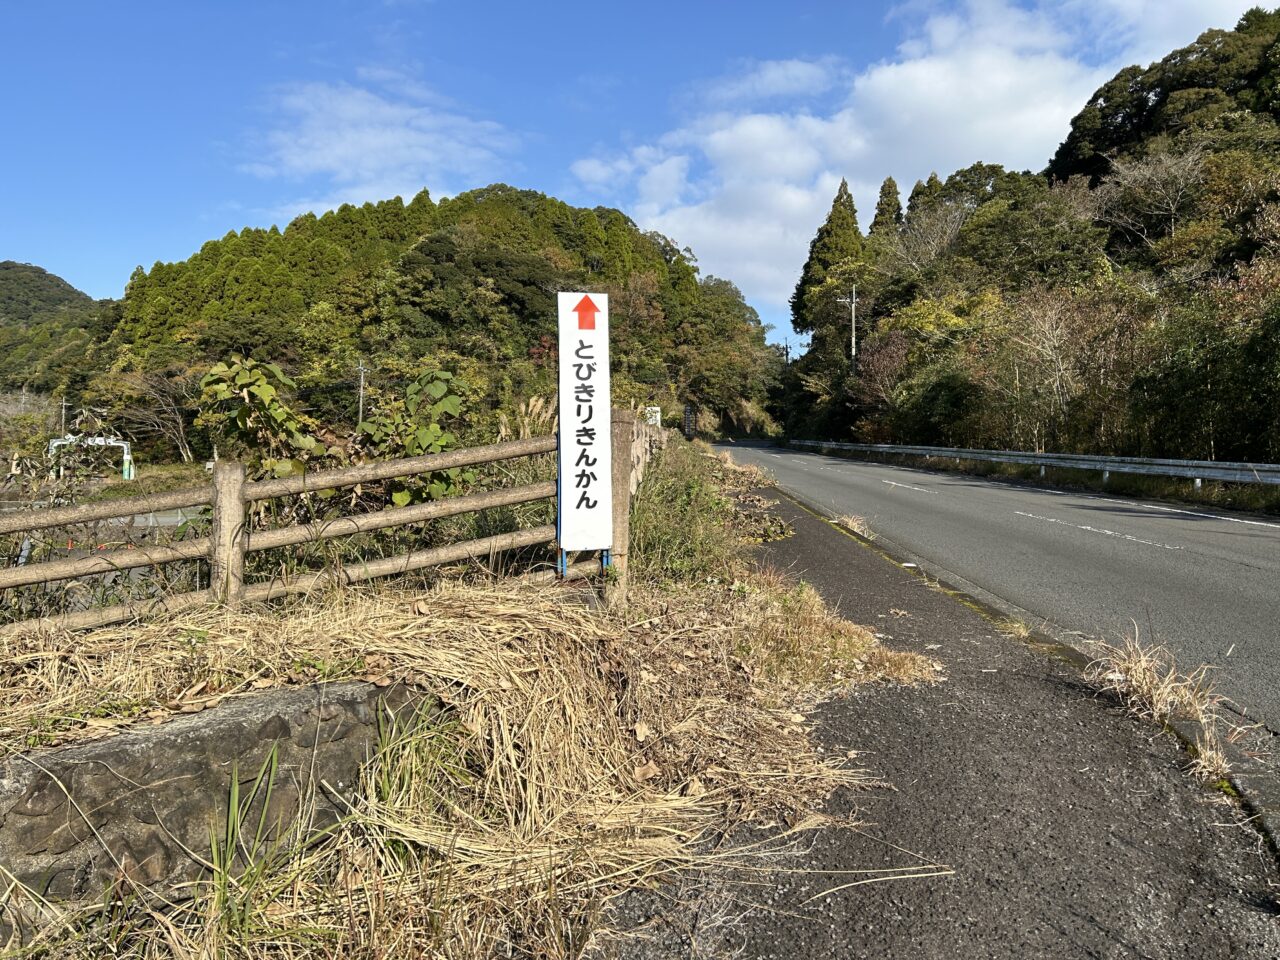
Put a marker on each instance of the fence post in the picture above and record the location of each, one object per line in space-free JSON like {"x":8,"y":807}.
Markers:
{"x":227,"y":538}
{"x":622,"y":437}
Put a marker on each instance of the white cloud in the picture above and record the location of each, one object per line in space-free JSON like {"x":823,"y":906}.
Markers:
{"x":391,"y":136}
{"x":663,"y":184}
{"x":1143,"y":31}
{"x":990,"y":80}
{"x":768,"y":79}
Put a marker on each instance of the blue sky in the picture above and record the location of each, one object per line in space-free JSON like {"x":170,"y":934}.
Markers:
{"x":133,"y":132}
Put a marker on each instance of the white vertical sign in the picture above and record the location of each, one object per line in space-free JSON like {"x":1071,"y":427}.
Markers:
{"x":586,"y":463}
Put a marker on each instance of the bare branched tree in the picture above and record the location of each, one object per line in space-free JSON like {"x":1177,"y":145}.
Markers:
{"x":1150,"y":198}
{"x":883,"y":364}
{"x":1047,"y":333}
{"x":1080,"y":203}
{"x":925,"y":236}
{"x":159,"y":405}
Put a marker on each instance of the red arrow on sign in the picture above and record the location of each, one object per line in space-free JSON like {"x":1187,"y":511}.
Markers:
{"x":586,"y":311}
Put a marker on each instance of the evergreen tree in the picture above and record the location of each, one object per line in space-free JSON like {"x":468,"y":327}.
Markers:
{"x":924,"y":193}
{"x":888,"y":216}
{"x":837,"y":240}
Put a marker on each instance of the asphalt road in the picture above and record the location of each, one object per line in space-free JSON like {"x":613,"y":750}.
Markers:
{"x":1079,"y":565}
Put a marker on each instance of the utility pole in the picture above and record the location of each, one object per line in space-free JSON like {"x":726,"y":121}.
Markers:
{"x":24,"y":398}
{"x":786,"y":348}
{"x":360,"y":416}
{"x":65,"y":404}
{"x":852,"y":301}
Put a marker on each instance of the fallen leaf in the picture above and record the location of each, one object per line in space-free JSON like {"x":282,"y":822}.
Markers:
{"x":643,"y":731}
{"x":647,"y":772}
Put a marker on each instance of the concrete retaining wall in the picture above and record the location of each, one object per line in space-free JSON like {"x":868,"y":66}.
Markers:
{"x":73,"y":820}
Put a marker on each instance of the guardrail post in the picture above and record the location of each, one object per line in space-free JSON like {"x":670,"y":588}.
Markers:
{"x":228,"y":536}
{"x":622,"y":434}
{"x":1199,"y":483}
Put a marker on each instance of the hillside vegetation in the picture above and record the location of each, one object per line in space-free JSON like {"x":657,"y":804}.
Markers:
{"x":1126,"y":301}
{"x":27,"y":291}
{"x":46,"y":326}
{"x":466,"y":286}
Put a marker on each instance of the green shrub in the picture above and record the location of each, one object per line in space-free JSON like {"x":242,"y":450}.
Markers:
{"x":680,"y":523}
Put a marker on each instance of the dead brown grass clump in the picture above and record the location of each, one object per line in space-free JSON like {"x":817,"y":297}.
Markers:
{"x":1147,"y":678}
{"x":1014,"y":629}
{"x":583,"y":753}
{"x":729,"y":475}
{"x":858,"y":525}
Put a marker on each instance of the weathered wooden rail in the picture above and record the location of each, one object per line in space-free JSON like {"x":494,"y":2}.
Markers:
{"x":231,"y":539}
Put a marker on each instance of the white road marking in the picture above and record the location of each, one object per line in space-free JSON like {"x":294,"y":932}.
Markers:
{"x":1125,"y":503}
{"x":1189,"y":513}
{"x":907,"y":486}
{"x":1109,"y":533}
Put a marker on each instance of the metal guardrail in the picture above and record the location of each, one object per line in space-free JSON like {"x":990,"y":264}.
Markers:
{"x":1196,"y":470}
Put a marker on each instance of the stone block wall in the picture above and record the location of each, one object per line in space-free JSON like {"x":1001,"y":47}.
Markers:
{"x":75,"y":820}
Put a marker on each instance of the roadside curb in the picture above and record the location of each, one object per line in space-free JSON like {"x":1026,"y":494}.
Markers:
{"x":1252,"y":782}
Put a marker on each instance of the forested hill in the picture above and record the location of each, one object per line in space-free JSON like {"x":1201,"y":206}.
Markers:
{"x":466,"y":285}
{"x":27,"y":291}
{"x":1124,"y":301}
{"x":47,"y":327}
{"x":1225,"y":87}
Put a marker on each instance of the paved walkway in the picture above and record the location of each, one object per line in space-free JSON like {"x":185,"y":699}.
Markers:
{"x":1072,"y":829}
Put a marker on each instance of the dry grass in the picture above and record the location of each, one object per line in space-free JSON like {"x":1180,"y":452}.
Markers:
{"x":1148,"y":680}
{"x":1014,"y":629}
{"x":582,"y":753}
{"x":734,"y":476}
{"x":1146,"y":677}
{"x":587,"y":753}
{"x":856,"y":524}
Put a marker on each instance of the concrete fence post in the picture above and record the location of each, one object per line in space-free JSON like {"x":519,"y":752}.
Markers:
{"x":229,"y":534}
{"x":622,"y":442}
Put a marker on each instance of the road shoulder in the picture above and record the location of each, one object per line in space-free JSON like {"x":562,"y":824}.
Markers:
{"x":1072,"y":829}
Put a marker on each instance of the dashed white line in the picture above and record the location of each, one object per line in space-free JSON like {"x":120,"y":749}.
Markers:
{"x":1109,"y":533}
{"x":907,"y":486}
{"x":1190,"y":513}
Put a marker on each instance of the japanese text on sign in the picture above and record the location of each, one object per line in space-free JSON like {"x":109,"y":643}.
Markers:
{"x":586,"y":492}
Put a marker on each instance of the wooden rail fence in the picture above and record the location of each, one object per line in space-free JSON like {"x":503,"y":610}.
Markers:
{"x":231,"y":539}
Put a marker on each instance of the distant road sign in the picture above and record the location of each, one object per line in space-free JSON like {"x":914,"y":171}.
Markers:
{"x":586,"y":462}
